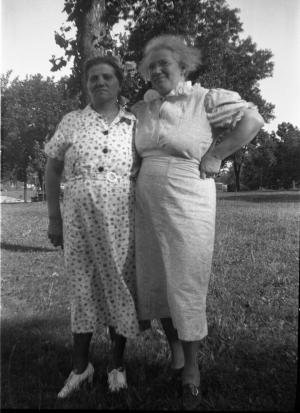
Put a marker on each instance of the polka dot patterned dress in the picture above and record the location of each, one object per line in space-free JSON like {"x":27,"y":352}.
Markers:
{"x":98,"y":218}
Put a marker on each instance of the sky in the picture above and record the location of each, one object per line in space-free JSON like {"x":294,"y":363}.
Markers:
{"x":27,"y":44}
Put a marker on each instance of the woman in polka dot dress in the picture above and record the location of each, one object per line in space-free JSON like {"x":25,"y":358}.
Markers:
{"x":94,"y":147}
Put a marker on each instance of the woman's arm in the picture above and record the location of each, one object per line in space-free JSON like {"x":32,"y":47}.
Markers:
{"x":54,"y":169}
{"x":245,"y":130}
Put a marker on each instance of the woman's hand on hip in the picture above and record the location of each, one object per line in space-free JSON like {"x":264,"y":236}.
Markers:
{"x":55,"y":232}
{"x":209,"y":166}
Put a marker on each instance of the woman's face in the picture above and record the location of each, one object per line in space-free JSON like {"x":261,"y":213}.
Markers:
{"x":164,"y":71}
{"x":102,"y":84}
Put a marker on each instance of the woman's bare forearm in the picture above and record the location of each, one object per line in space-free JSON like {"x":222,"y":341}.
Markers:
{"x":245,"y":130}
{"x":54,"y":170}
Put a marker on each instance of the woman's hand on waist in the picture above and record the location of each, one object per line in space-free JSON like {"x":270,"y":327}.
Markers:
{"x":209,"y":166}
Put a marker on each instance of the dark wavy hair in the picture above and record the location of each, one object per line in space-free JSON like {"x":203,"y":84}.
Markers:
{"x":108,"y":60}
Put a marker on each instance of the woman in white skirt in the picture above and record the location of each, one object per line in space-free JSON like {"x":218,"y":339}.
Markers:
{"x":177,"y":125}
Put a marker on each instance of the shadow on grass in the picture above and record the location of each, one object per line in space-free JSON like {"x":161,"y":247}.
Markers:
{"x":246,"y":374}
{"x":262,"y":198}
{"x":36,"y":359}
{"x":258,"y":381}
{"x":34,"y":353}
{"x":24,"y":248}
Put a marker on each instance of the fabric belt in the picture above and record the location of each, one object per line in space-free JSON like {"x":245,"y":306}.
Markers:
{"x":109,"y":176}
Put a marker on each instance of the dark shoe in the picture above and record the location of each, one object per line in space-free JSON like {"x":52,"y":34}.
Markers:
{"x":191,"y":396}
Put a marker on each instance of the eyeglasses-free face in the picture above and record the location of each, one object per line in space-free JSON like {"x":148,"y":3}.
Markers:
{"x":102,"y":84}
{"x":164,"y":71}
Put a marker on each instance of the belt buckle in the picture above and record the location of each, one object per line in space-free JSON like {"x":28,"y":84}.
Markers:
{"x":111,"y":177}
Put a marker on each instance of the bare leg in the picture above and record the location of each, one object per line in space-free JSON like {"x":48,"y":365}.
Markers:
{"x":191,"y":373}
{"x":118,"y":348}
{"x":81,"y":348}
{"x":174,"y":343}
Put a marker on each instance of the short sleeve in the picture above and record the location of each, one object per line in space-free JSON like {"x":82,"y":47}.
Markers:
{"x":58,"y":144}
{"x":135,"y":109}
{"x":224,"y":108}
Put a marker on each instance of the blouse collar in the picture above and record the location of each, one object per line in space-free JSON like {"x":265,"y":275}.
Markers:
{"x":182,"y":88}
{"x":123,"y":113}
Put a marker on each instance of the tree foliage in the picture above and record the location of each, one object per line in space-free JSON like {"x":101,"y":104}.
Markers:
{"x":91,"y":19}
{"x":273,"y":161}
{"x":288,"y":154}
{"x":228,"y":60}
{"x":260,"y":161}
{"x":30,"y":111}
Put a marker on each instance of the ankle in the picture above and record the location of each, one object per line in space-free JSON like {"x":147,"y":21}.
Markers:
{"x":177,"y":355}
{"x":191,"y":374}
{"x":176,"y":364}
{"x":113,"y":364}
{"x":115,"y":361}
{"x":80,"y":366}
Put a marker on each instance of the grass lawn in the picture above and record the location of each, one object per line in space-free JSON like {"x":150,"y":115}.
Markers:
{"x":18,"y":193}
{"x":248,"y":361}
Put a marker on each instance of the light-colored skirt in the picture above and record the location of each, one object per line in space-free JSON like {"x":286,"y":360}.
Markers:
{"x":175,"y":226}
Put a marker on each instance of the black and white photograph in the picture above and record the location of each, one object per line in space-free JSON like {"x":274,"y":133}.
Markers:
{"x":150,"y":198}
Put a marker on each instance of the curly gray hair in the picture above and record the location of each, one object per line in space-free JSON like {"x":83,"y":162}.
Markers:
{"x":188,"y":58}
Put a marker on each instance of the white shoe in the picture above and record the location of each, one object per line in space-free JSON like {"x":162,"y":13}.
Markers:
{"x":117,"y":379}
{"x":74,"y":381}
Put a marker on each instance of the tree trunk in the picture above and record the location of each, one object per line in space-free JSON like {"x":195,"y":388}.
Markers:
{"x":42,"y":183}
{"x":25,"y":187}
{"x":237,"y":169}
{"x":260,"y":180}
{"x":93,"y":30}
{"x":41,"y":179}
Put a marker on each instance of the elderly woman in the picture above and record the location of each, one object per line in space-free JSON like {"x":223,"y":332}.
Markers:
{"x":177,"y":126}
{"x":95,"y":148}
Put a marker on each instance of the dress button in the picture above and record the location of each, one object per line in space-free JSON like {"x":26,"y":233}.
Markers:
{"x":105,"y":132}
{"x":105,"y":150}
{"x":100,"y":169}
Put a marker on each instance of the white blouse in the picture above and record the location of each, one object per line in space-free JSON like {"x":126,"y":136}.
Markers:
{"x":181,"y":123}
